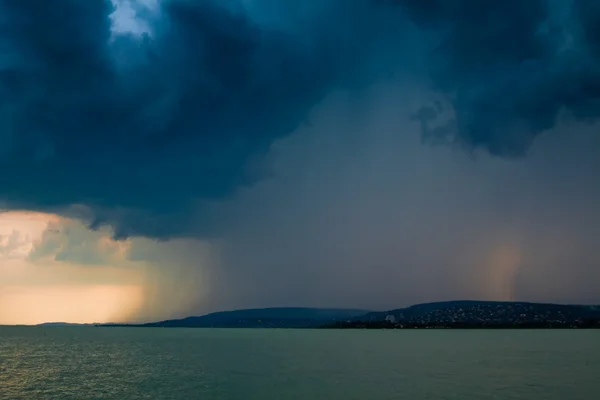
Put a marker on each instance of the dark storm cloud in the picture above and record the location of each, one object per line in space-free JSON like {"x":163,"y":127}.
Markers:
{"x":139,"y":130}
{"x":509,"y":67}
{"x":130,"y":126}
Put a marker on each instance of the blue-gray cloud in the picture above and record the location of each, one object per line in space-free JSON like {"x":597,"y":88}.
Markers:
{"x":140,"y":130}
{"x":509,"y":68}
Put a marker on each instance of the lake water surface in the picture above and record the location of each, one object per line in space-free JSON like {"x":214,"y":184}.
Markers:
{"x":136,"y":363}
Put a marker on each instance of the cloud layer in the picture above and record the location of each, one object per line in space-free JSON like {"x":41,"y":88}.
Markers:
{"x":140,"y":129}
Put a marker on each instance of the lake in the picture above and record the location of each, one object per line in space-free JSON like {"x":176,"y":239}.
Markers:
{"x":145,"y":363}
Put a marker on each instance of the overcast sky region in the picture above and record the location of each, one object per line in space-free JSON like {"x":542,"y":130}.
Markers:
{"x":166,"y":158}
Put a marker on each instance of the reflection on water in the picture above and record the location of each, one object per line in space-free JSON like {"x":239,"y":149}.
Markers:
{"x":120,"y":363}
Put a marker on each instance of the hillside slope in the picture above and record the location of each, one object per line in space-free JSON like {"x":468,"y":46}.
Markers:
{"x":281,"y":317}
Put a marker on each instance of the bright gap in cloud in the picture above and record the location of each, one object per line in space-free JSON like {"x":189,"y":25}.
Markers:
{"x":126,"y":18}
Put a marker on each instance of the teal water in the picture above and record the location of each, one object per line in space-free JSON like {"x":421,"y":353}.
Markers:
{"x":125,"y":363}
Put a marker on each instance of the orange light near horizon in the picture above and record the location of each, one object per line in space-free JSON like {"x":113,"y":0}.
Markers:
{"x":46,"y":290}
{"x":75,"y":304}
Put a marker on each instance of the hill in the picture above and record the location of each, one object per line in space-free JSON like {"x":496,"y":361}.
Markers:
{"x":449,"y":314}
{"x":280,"y":317}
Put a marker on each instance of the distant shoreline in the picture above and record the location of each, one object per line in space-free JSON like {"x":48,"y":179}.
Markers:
{"x":594,"y":324}
{"x":458,"y":314}
{"x":461,"y":314}
{"x":361,"y":325}
{"x":326,"y":327}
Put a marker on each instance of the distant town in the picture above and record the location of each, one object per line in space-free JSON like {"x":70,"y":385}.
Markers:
{"x":477,"y":314}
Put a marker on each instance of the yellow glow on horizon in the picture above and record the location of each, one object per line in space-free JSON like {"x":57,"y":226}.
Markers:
{"x":46,"y":290}
{"x":75,"y":304}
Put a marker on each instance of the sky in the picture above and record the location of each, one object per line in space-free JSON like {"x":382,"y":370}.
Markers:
{"x":166,"y":158}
